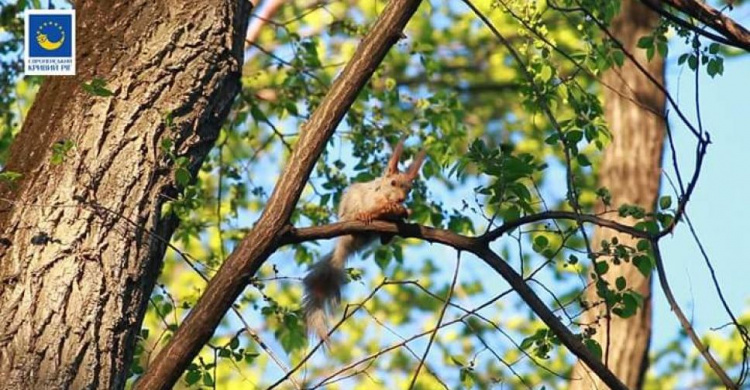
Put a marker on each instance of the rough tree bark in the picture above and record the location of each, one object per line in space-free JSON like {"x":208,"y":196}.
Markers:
{"x":81,"y":243}
{"x":631,"y":170}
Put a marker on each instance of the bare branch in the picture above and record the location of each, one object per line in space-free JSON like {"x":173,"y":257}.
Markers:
{"x":439,"y":322}
{"x":481,"y":249}
{"x":685,"y":323}
{"x":556,"y":215}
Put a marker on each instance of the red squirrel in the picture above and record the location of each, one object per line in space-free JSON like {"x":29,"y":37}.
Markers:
{"x":381,"y":198}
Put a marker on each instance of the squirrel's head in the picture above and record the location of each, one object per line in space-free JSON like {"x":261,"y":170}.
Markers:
{"x":395,"y":184}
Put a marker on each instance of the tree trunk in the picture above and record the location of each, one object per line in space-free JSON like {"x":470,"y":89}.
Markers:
{"x":631,"y":170}
{"x":81,"y":242}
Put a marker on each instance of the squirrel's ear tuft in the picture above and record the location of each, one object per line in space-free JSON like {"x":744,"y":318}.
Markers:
{"x":413,"y":170}
{"x":392,"y":167}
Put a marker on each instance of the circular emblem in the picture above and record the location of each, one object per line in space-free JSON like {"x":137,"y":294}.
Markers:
{"x":46,"y":30}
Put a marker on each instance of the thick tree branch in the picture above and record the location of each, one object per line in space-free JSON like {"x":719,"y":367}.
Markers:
{"x":731,"y":30}
{"x":700,"y":31}
{"x":291,"y":235}
{"x":481,"y":249}
{"x":260,"y":242}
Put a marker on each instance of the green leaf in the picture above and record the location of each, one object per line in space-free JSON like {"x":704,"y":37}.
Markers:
{"x":97,"y":87}
{"x":649,"y":226}
{"x":583,"y":160}
{"x":620,"y":283}
{"x":291,"y":107}
{"x":662,"y":48}
{"x":136,"y":369}
{"x":593,"y":347}
{"x":466,"y":377}
{"x":539,"y":335}
{"x":645,"y":42}
{"x":166,"y":308}
{"x":693,"y":62}
{"x":605,"y":195}
{"x":511,"y":213}
{"x":257,"y":113}
{"x":166,"y":146}
{"x":715,"y":67}
{"x":711,"y":68}
{"x":182,"y":161}
{"x":250,"y":356}
{"x":207,"y":379}
{"x":10,"y":176}
{"x":601,"y":267}
{"x":628,"y":307}
{"x":169,"y":119}
{"x":382,"y":257}
{"x":60,"y":151}
{"x":390,"y":83}
{"x":665,"y":219}
{"x":182,"y":176}
{"x":541,"y":241}
{"x":637,"y":297}
{"x":643,"y":245}
{"x":682,"y":59}
{"x":574,"y":136}
{"x":527,"y":342}
{"x":644,"y":264}
{"x":192,"y":377}
{"x":545,"y":74}
{"x":618,"y":57}
{"x":520,"y":191}
{"x":665,"y":202}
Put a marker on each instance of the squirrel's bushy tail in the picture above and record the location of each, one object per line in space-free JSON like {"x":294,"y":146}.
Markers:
{"x":323,"y":285}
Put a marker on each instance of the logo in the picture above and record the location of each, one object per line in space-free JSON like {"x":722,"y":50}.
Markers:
{"x":49,"y":42}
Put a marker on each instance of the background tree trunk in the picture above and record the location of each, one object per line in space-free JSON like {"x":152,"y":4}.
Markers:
{"x":631,"y":170}
{"x":81,"y":243}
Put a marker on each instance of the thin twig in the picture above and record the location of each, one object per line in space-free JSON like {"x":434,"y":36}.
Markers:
{"x":347,"y":314}
{"x":715,"y":366}
{"x":407,"y":347}
{"x":383,"y":351}
{"x":439,"y":321}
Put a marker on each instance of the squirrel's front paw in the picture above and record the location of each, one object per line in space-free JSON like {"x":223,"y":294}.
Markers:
{"x":364,"y":217}
{"x":398,"y":210}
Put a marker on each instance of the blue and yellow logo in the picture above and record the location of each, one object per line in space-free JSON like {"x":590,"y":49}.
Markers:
{"x":51,"y":35}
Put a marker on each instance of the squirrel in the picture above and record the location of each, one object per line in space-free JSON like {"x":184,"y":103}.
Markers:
{"x":381,"y":198}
